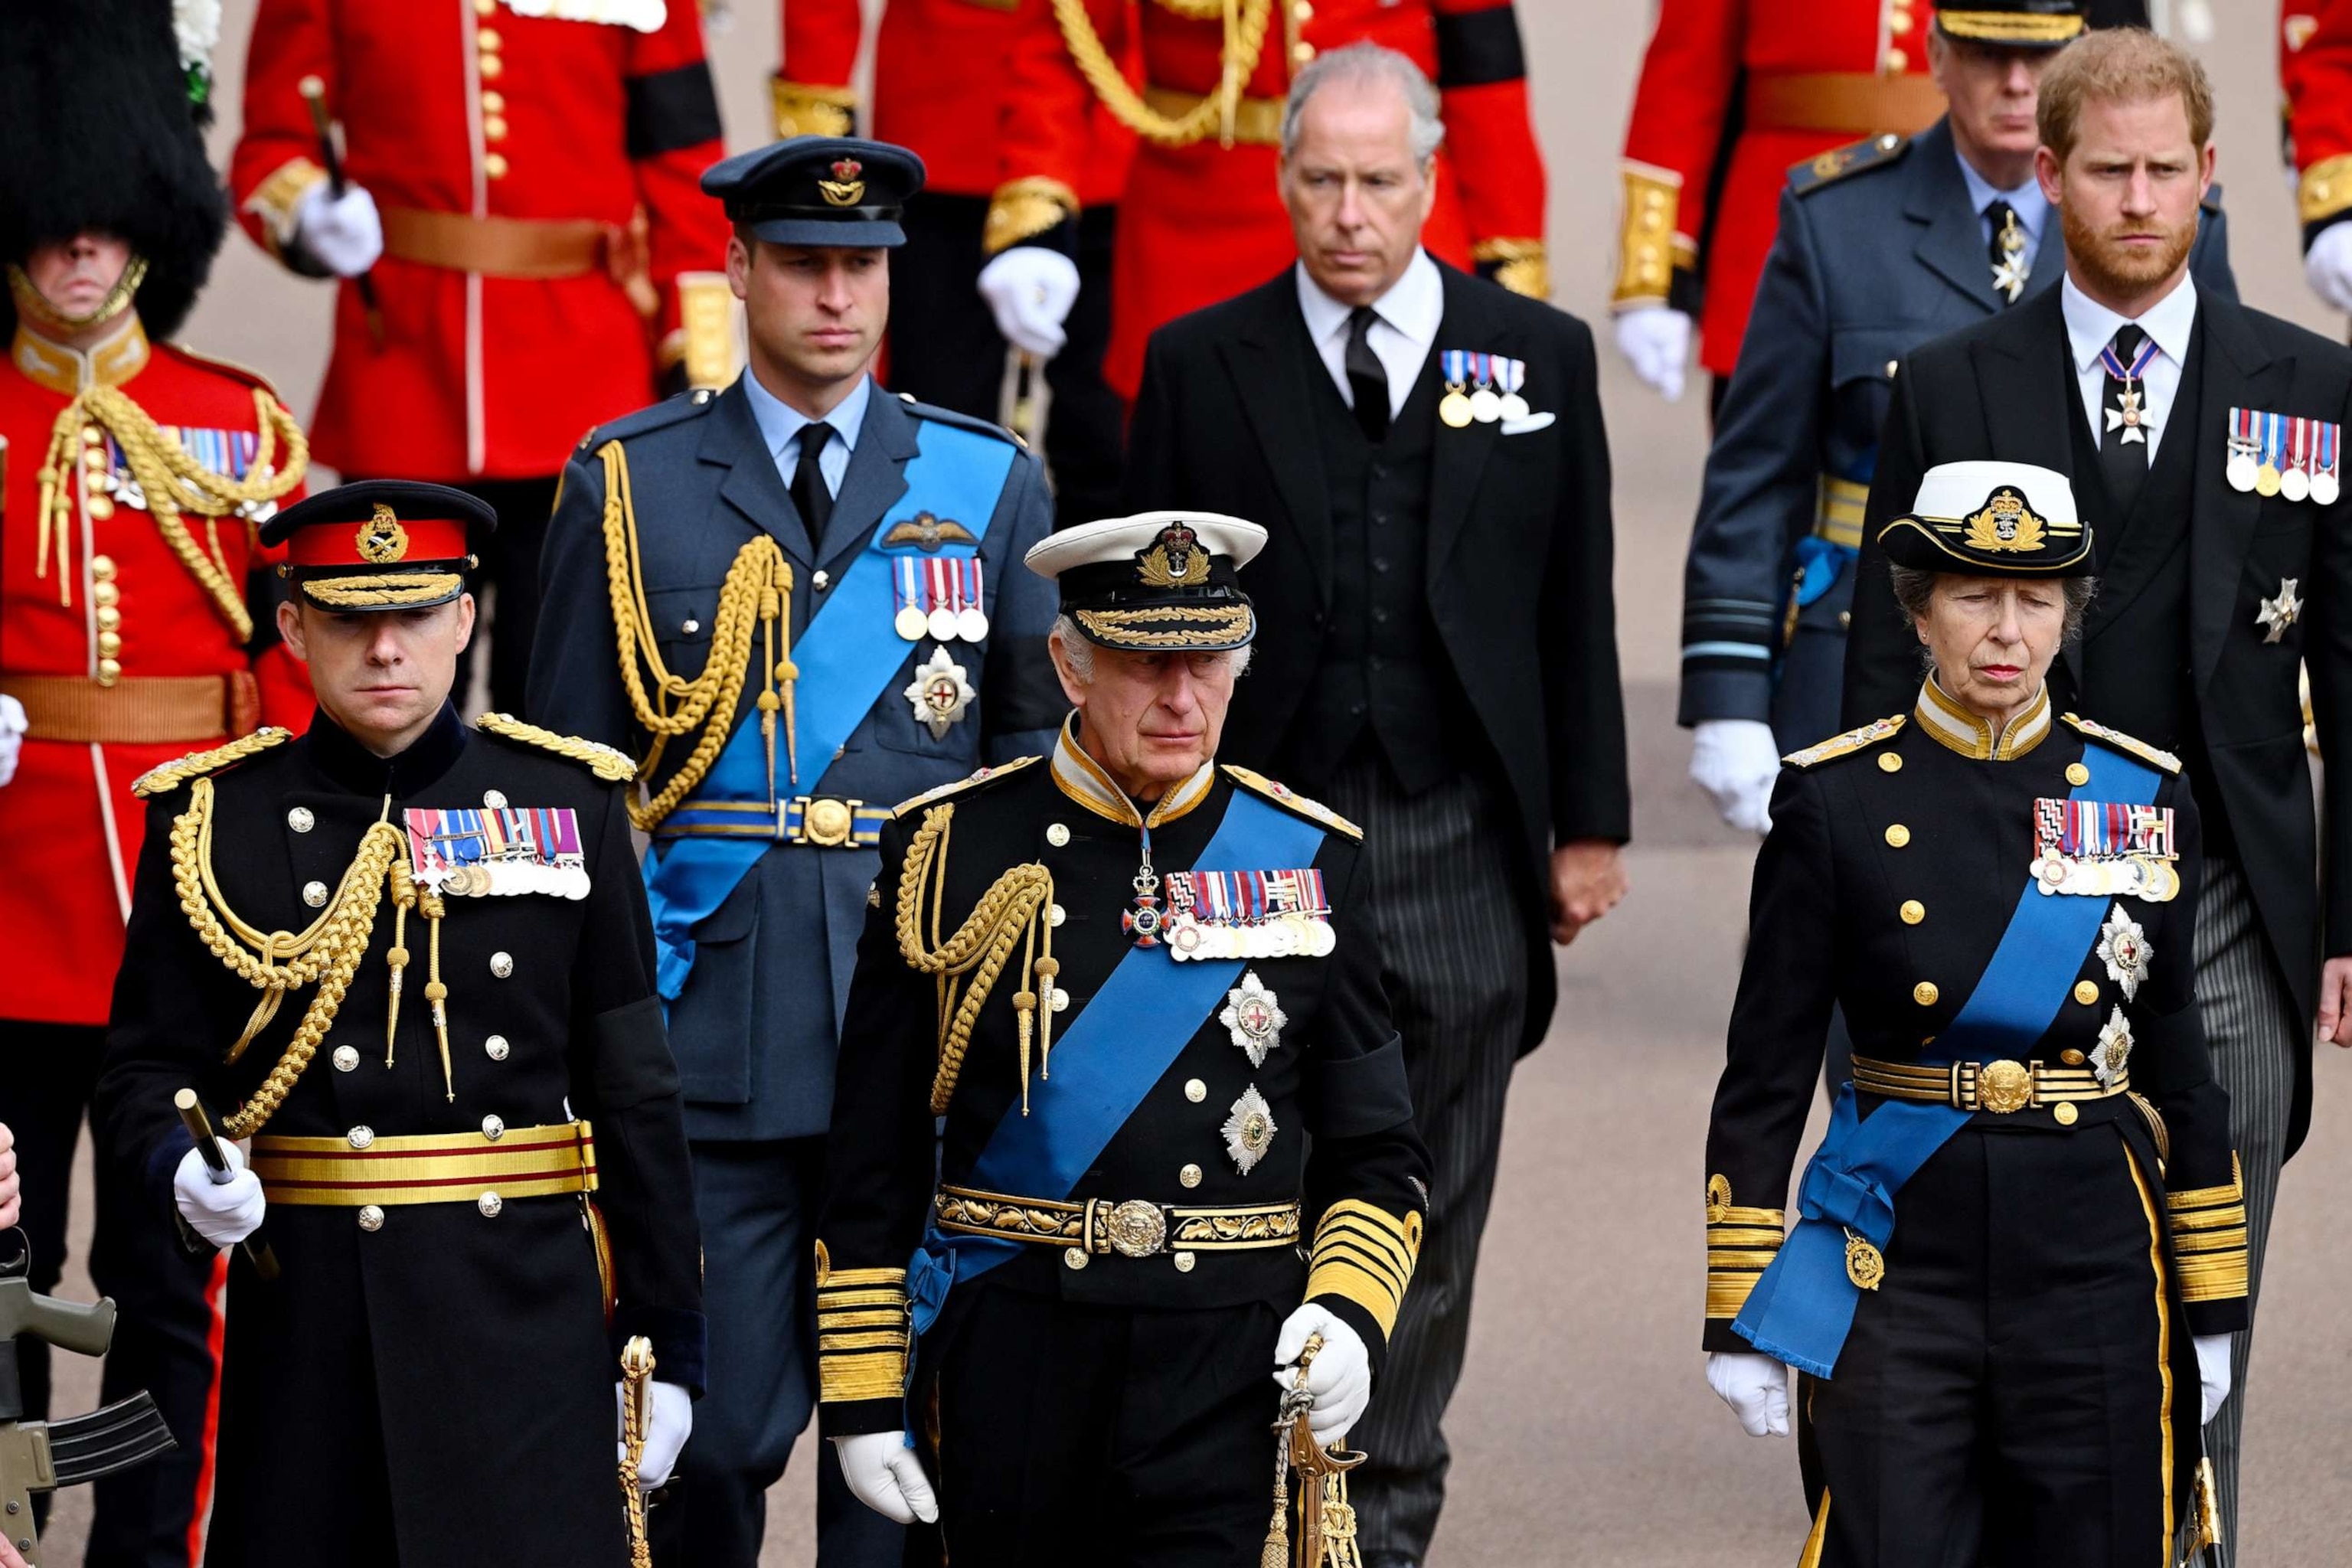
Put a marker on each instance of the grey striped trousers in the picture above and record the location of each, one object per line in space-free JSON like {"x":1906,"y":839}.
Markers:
{"x":2251,"y":1030}
{"x":1454,"y":957}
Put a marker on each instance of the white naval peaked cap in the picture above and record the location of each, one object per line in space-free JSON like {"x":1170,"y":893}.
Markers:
{"x":1951,"y":491}
{"x":1119,"y":540}
{"x":1159,"y":581}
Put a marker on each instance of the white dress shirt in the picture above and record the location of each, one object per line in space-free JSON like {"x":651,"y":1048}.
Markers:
{"x":1407,"y":329}
{"x":2032,"y":207}
{"x":2091,"y":326}
{"x":781,"y":426}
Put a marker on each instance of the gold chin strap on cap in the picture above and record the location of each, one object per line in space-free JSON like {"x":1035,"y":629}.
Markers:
{"x":31,"y":301}
{"x":1244,"y":23}
{"x":967,"y":964}
{"x":758,"y":590}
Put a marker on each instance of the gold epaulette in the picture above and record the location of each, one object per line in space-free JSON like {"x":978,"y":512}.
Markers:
{"x":607,"y":762}
{"x":196,"y":764}
{"x":1283,"y":794}
{"x":1853,"y":740}
{"x":956,"y":786}
{"x":2152,"y":756}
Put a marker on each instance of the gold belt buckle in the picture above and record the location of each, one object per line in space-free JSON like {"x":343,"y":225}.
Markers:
{"x":826,"y":822}
{"x":2003,"y":1087}
{"x":1136,"y":1229}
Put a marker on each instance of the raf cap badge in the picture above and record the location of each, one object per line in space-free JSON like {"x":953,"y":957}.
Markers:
{"x":940,"y":693}
{"x":844,"y":189}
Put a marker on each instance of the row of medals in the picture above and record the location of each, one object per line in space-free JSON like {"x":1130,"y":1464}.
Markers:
{"x":943,"y":624}
{"x":1276,"y":936}
{"x":2148,"y":876}
{"x":1486,"y":405}
{"x":2245,"y":472}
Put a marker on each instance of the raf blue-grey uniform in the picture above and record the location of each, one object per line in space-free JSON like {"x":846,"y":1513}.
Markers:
{"x":1882,"y":246}
{"x":755,"y":1025}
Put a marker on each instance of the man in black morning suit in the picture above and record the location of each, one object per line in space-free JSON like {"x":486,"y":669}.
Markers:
{"x":1437,"y":655}
{"x":2210,"y":597}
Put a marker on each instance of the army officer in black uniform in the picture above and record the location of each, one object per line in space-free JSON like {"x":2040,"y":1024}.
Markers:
{"x":1138,"y":986}
{"x":2022,"y":1245}
{"x":411,"y":961}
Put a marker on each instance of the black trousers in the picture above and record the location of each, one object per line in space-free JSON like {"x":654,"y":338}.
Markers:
{"x":1117,"y":1437}
{"x":143,"y":1517}
{"x":2021,"y":1391}
{"x":944,"y":346}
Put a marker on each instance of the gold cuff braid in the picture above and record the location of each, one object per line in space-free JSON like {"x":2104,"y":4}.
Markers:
{"x":1365,"y":1254}
{"x":1645,"y":246}
{"x":2210,"y":1238}
{"x":1524,"y":266}
{"x":862,"y":1332}
{"x":1024,"y":209}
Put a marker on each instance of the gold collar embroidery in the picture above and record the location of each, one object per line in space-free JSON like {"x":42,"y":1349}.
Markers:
{"x":67,"y":371}
{"x":1083,"y":779}
{"x":1954,"y":727}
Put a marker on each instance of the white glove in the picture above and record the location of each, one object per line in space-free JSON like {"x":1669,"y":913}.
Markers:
{"x":669,"y":1417}
{"x":343,"y":233}
{"x":1736,"y":761}
{"x":1755,"y":1386}
{"x":1341,"y":1378}
{"x":885,"y":1476}
{"x":12,"y":736}
{"x":1031,"y":289}
{"x":1655,"y":340}
{"x":2212,"y":1371}
{"x":2327,"y":265}
{"x":224,"y":1215}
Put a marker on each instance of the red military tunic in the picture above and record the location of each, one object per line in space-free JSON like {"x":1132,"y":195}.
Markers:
{"x":1816,"y":75}
{"x":86,"y":632}
{"x":575,"y":148}
{"x":2315,"y":77}
{"x":1202,"y":222}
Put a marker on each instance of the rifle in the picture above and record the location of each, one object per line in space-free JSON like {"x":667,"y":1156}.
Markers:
{"x":42,"y":1455}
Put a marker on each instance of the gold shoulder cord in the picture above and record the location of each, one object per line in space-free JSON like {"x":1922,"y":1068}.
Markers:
{"x":1013,"y":908}
{"x":1245,"y":23}
{"x":173,"y":484}
{"x":758,"y":589}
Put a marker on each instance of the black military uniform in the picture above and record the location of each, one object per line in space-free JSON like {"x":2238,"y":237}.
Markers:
{"x":467,"y":1128}
{"x":1232,"y":1135}
{"x":2018,"y":1383}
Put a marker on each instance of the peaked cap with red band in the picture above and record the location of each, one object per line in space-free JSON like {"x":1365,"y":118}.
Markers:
{"x":382,"y":544}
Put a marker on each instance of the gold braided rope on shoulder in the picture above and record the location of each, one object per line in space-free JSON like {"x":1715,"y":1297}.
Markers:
{"x":608,"y":762}
{"x":173,"y":484}
{"x":756,"y":596}
{"x":1245,"y":23}
{"x":1011,"y":910}
{"x":168,"y":776}
{"x":276,"y":963}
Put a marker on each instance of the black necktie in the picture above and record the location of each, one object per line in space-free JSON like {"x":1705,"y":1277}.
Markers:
{"x":1367,"y":377}
{"x":2006,"y":250}
{"x":809,"y":494}
{"x":2123,"y":435}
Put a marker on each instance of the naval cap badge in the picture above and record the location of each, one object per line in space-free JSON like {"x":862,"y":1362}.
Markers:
{"x":1175,"y":560}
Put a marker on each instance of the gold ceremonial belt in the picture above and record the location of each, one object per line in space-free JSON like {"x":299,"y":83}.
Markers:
{"x":480,"y":1168}
{"x":820,"y":820}
{"x":136,"y":709}
{"x":1131,"y":1229}
{"x":1258,"y":122}
{"x":1838,"y":518}
{"x":2000,"y":1086}
{"x":1848,"y":103}
{"x":499,"y":246}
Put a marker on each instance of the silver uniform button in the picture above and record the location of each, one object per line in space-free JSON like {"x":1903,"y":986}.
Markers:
{"x":1056,"y":835}
{"x":689,"y":625}
{"x":370,"y":1217}
{"x":300,"y":819}
{"x":495,"y":800}
{"x":495,"y":1048}
{"x":1075,"y":1257}
{"x":1195,"y":1090}
{"x":1061,"y":1000}
{"x":489,"y":1204}
{"x":1189,"y":1175}
{"x":314,"y":893}
{"x":346,"y":1057}
{"x":1057,"y":915}
{"x":360,"y":1137}
{"x":502,"y":964}
{"x":823,"y":580}
{"x":493,"y":1129}
{"x":1183,"y":1263}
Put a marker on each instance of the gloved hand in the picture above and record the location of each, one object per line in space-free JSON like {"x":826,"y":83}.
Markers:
{"x":1755,"y":1386}
{"x":1341,"y":1378}
{"x":1031,"y":289}
{"x":1736,"y":761}
{"x":669,"y":1417}
{"x":2327,"y":265}
{"x":343,"y":233}
{"x":886,"y":1477}
{"x":2212,"y":1371}
{"x":224,"y":1215}
{"x":12,"y":736}
{"x":1655,"y":340}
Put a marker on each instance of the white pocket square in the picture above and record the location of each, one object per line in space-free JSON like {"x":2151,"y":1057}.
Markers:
{"x":1532,"y":422}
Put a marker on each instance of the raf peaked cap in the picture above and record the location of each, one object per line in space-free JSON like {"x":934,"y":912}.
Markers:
{"x":382,"y":544}
{"x":1992,"y":519}
{"x":2014,"y":24}
{"x":1158,"y":582}
{"x":819,"y":190}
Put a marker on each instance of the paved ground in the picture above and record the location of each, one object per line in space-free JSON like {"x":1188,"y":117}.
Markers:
{"x":1584,"y":1431}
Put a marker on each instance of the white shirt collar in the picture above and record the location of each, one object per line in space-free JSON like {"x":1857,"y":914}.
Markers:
{"x":2091,"y":326}
{"x":1414,"y":304}
{"x":780,"y":423}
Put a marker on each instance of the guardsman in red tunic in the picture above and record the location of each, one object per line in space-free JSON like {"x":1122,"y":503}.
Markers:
{"x":516,"y":195}
{"x":2315,"y":74}
{"x":1201,"y":220}
{"x":948,"y":343}
{"x":133,"y":627}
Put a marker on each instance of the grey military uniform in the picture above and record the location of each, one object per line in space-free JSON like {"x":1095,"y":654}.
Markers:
{"x":1870,"y":261}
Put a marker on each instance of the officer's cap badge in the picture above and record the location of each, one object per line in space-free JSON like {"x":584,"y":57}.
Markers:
{"x":381,"y":540}
{"x":1174,"y":560}
{"x":844,"y":189}
{"x":2006,"y":523}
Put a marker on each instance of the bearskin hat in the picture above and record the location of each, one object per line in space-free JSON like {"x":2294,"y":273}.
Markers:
{"x":99,"y":131}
